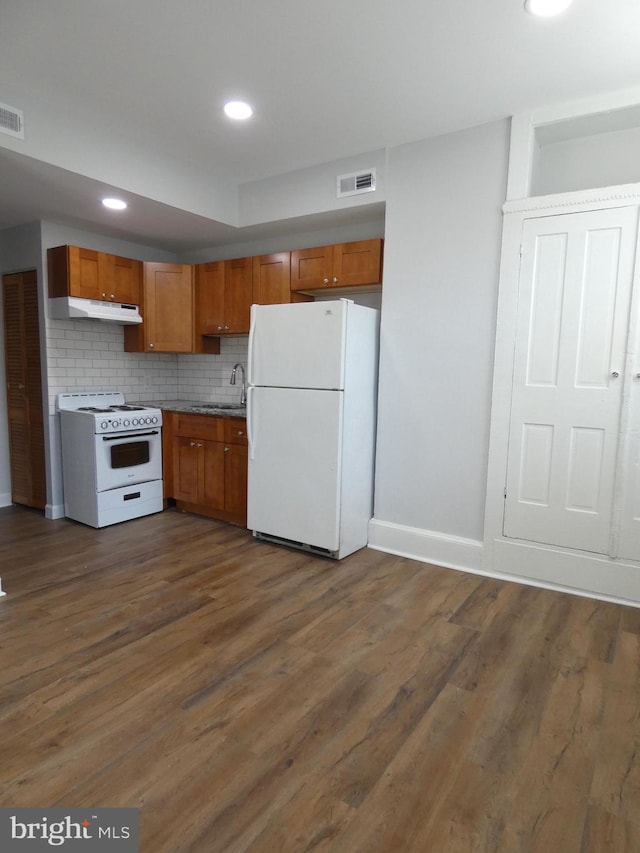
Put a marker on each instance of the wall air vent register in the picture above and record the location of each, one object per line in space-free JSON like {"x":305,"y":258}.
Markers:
{"x":356,"y":183}
{"x":11,"y":121}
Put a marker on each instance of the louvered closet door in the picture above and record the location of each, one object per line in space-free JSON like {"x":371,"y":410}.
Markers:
{"x":24,"y":389}
{"x":573,"y":312}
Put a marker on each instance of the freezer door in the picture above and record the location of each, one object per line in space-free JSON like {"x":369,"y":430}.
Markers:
{"x":295,"y":465}
{"x":301,"y":345}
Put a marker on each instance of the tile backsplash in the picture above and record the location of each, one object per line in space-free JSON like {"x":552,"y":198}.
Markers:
{"x":87,"y":355}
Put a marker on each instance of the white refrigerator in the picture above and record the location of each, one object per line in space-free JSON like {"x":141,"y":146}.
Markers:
{"x":311,"y":416}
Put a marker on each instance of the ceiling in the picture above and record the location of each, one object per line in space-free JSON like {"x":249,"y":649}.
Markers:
{"x":327,"y":80}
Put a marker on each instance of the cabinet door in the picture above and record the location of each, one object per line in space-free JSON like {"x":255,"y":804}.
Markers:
{"x":235,"y":480}
{"x":77,"y":272}
{"x":311,"y":269}
{"x":168,"y":307}
{"x":238,"y":291}
{"x":127,"y":280}
{"x":213,"y":478}
{"x":357,"y":263}
{"x":186,"y":469}
{"x":209,"y":285}
{"x":272,"y":278}
{"x":88,"y":273}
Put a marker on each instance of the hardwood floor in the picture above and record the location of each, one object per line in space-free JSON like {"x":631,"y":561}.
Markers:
{"x":250,"y":698}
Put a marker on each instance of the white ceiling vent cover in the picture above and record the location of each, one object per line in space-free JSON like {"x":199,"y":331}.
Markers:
{"x":11,"y":121}
{"x":356,"y":183}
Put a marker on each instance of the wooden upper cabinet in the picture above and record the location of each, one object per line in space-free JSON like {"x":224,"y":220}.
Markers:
{"x":209,"y":301}
{"x":342,"y":265}
{"x":74,"y":271}
{"x":77,"y":272}
{"x":238,"y":291}
{"x":127,"y":280}
{"x":357,"y":263}
{"x":167,"y":308}
{"x":223,"y":299}
{"x":311,"y":269}
{"x":272,"y":278}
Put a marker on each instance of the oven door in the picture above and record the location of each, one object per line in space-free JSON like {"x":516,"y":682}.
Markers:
{"x":127,"y":458}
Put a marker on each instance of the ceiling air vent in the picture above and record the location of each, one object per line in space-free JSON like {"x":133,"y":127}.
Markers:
{"x":11,"y":121}
{"x":356,"y":183}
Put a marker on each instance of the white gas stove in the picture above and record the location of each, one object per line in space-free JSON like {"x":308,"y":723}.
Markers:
{"x":111,"y":457}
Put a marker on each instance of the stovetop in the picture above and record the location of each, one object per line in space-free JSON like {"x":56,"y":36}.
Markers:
{"x":99,"y":408}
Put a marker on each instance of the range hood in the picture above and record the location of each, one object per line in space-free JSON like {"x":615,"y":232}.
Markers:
{"x":72,"y":307}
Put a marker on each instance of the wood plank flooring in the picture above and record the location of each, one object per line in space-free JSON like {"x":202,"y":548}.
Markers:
{"x":250,"y":698}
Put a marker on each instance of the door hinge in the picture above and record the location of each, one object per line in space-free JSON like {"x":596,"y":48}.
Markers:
{"x":521,"y":249}
{"x":505,"y":493}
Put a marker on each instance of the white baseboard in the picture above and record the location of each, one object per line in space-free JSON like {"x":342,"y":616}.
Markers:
{"x":590,"y":575}
{"x":546,"y":568}
{"x":54,"y":511}
{"x":452,"y":552}
{"x":5,"y":499}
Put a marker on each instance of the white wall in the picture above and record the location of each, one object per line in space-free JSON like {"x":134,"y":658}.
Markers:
{"x":443,"y":226}
{"x":309,"y":191}
{"x":597,"y":160}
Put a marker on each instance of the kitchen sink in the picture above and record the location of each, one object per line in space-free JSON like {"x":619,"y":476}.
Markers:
{"x":225,"y":406}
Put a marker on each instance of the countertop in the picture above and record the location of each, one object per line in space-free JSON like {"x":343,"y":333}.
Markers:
{"x":195,"y":407}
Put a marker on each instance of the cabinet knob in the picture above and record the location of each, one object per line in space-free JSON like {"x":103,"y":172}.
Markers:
{"x":220,"y":328}
{"x":112,"y":296}
{"x":192,"y":444}
{"x":335,"y":279}
{"x":226,"y":328}
{"x":240,"y":432}
{"x":325,"y":280}
{"x":104,"y":295}
{"x":151,"y":346}
{"x":226,"y":450}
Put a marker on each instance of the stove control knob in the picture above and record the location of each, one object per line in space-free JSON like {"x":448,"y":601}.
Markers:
{"x":125,"y":423}
{"x":104,"y":425}
{"x":135,"y":422}
{"x":147,"y":420}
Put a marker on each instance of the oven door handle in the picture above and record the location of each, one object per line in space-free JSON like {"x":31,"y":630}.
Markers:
{"x":122,"y":435}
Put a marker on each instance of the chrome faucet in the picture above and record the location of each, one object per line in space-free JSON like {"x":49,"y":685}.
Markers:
{"x":232,"y":381}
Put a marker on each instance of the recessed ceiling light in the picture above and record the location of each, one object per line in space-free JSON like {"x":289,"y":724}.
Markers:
{"x":114,"y":203}
{"x":238,"y":109}
{"x":546,"y":8}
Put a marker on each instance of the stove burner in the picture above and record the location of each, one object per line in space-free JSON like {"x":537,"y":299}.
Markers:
{"x":129,"y":408}
{"x":94,"y":409}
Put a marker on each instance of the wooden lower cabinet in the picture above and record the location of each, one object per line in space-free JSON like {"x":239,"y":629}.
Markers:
{"x":207,"y":471}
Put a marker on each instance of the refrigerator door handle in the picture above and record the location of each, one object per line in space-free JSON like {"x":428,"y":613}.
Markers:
{"x":252,"y":331}
{"x":250,"y":434}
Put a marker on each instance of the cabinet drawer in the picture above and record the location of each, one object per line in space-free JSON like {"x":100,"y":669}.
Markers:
{"x":235,"y":431}
{"x":199,"y":426}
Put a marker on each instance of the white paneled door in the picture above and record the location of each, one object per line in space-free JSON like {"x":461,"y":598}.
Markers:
{"x":574,"y":300}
